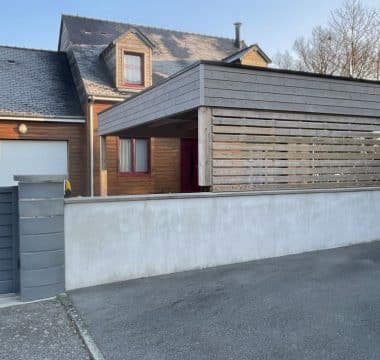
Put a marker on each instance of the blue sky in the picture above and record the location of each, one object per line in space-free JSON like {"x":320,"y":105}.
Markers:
{"x":274,"y":24}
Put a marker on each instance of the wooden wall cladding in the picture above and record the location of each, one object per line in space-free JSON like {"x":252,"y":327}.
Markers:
{"x":73,"y":133}
{"x":266,"y":150}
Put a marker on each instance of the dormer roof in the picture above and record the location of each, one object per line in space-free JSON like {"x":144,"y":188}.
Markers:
{"x":238,"y":55}
{"x":139,"y":34}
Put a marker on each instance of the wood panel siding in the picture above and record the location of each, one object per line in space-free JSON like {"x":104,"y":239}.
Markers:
{"x":249,"y":88}
{"x":130,"y":42}
{"x":253,"y":58}
{"x":171,"y":97}
{"x":74,"y":134}
{"x":266,"y":150}
{"x":164,"y":175}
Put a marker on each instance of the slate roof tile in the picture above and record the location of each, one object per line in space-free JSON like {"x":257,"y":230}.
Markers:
{"x":36,"y":83}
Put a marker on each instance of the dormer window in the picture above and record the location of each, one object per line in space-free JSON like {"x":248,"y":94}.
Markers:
{"x":129,"y":61}
{"x":133,"y":69}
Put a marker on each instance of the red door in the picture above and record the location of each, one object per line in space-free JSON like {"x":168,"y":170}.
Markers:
{"x":189,"y":165}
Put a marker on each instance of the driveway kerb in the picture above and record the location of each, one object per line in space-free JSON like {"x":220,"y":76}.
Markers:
{"x":79,"y":324}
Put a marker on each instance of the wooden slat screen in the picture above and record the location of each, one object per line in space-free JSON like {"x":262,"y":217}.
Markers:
{"x":262,"y":150}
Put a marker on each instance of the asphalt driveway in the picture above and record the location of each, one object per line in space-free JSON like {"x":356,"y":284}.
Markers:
{"x":321,"y":305}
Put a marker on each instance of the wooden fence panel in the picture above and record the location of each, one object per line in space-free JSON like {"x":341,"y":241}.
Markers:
{"x":263,"y":150}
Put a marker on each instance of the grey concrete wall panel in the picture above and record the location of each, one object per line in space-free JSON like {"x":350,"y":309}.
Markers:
{"x":46,"y":277}
{"x":35,"y":191}
{"x":42,"y":272}
{"x":42,"y":292}
{"x":43,"y":259}
{"x":43,"y":225}
{"x":42,"y":242}
{"x":40,"y":207}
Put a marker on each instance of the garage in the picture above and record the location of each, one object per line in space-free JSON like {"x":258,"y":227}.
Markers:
{"x":30,"y":157}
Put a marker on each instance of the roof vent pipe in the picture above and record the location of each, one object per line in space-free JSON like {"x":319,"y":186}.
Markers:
{"x":237,"y":35}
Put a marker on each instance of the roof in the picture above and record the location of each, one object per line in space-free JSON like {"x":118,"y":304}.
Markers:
{"x":241,"y":53}
{"x":36,"y":83}
{"x":172,"y":51}
{"x":246,"y":87}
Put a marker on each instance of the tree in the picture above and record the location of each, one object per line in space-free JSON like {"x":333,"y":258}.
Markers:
{"x":348,"y":46}
{"x":284,"y":60}
{"x":355,"y":29}
{"x":318,"y":53}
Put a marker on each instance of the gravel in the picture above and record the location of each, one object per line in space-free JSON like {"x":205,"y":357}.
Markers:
{"x":39,"y":331}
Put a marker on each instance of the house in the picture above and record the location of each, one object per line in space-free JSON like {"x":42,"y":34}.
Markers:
{"x":50,"y":101}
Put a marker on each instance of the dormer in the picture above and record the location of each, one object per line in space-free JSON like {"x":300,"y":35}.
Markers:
{"x":250,"y":55}
{"x":129,"y":61}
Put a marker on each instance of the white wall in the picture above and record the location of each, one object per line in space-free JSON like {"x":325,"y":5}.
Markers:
{"x":114,"y":239}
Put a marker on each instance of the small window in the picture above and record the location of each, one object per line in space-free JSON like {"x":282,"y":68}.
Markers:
{"x":133,"y":156}
{"x":133,"y":69}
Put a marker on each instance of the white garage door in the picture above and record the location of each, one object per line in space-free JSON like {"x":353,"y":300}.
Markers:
{"x":29,"y":157}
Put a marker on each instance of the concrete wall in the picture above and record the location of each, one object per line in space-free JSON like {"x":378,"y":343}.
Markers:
{"x":41,"y":225}
{"x":114,"y":239}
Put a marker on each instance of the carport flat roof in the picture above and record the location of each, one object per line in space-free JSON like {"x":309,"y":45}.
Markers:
{"x":218,"y":84}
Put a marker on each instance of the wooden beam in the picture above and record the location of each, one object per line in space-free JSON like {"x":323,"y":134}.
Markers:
{"x":103,"y":166}
{"x":204,"y":146}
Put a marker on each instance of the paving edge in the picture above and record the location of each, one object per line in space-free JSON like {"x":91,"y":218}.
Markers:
{"x":76,"y":318}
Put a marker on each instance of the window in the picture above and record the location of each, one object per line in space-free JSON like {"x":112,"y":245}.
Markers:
{"x":133,"y":69}
{"x":133,"y":156}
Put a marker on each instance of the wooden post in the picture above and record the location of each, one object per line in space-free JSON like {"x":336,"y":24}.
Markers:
{"x":103,"y":166}
{"x":204,"y":146}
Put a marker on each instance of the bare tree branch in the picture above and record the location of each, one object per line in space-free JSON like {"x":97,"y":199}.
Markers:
{"x":348,"y":46}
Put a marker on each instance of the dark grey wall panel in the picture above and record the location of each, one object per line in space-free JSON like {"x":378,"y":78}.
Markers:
{"x":8,"y":240}
{"x":42,"y":272}
{"x":249,"y":88}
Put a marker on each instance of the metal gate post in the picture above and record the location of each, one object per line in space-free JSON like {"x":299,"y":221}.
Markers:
{"x":41,"y":226}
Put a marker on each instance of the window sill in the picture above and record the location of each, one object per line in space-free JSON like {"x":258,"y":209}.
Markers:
{"x":134,"y":174}
{"x":133,"y":86}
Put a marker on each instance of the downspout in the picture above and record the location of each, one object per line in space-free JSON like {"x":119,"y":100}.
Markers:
{"x":91,"y":121}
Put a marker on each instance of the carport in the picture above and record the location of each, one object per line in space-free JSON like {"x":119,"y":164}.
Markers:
{"x":260,"y":128}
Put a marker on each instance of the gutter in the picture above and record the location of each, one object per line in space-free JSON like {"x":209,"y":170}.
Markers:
{"x":106,"y":98}
{"x":67,"y":119}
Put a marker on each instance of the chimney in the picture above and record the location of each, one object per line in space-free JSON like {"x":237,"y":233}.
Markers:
{"x":237,"y":35}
